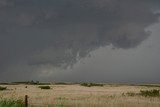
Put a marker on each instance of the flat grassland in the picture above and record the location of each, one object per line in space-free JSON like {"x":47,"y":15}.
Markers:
{"x":76,"y":95}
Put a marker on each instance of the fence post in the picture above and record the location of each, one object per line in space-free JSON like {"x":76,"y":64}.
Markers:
{"x":26,"y":100}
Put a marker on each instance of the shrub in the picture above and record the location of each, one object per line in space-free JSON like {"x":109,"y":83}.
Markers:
{"x":145,"y":93}
{"x":152,"y":93}
{"x":2,"y":88}
{"x":45,"y":87}
{"x":61,"y":83}
{"x":31,"y":82}
{"x":95,"y":84}
{"x":90,"y":84}
{"x":85,"y":84}
{"x":131,"y":94}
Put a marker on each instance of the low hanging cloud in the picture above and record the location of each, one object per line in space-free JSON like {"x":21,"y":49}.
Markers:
{"x":36,"y":33}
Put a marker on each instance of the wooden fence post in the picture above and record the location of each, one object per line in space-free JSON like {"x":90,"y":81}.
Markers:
{"x":26,"y":100}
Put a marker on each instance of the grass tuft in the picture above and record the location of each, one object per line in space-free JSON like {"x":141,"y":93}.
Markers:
{"x":145,"y":93}
{"x":45,"y":87}
{"x":2,"y":88}
{"x":132,"y":94}
{"x":152,"y":93}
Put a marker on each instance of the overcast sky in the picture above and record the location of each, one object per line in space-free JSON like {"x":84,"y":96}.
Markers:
{"x":80,"y":40}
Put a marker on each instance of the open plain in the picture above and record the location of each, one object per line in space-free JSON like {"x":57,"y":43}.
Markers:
{"x":76,"y":95}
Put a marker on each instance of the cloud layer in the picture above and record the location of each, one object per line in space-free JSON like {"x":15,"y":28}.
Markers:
{"x":36,"y":33}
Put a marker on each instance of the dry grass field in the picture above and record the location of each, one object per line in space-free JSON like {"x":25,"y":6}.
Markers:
{"x":80,"y":96}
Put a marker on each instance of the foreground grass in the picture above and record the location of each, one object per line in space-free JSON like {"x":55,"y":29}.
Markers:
{"x":11,"y":103}
{"x":102,"y":101}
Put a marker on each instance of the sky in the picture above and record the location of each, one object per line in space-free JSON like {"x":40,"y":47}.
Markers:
{"x":114,"y":41}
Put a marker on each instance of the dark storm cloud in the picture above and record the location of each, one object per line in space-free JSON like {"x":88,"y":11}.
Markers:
{"x":60,"y":32}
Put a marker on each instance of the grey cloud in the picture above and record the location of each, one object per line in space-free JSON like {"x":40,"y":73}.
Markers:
{"x":60,"y":32}
{"x":3,"y":3}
